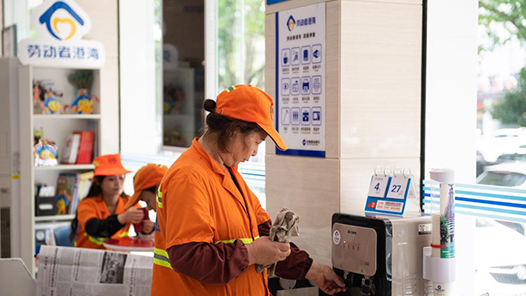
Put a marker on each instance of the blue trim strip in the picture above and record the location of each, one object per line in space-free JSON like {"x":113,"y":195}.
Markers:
{"x":496,"y":217}
{"x":491,"y":202}
{"x":489,"y":209}
{"x":484,"y":194}
{"x":492,"y":188}
{"x":491,"y":216}
{"x":481,"y":187}
{"x":488,"y":202}
{"x":469,"y":213}
{"x":296,"y":152}
{"x":249,"y":174}
{"x":475,"y":200}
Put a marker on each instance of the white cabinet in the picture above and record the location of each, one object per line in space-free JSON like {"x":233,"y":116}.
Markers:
{"x":56,"y":127}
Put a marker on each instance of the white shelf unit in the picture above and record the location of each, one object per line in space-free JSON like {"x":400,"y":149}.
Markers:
{"x":66,"y":116}
{"x":56,"y":127}
{"x":182,"y":78}
{"x":67,"y":167}
{"x":54,"y":218}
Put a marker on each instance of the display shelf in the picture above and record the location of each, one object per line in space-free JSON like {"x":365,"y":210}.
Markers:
{"x":66,"y":116}
{"x":57,"y":128}
{"x":54,"y":218}
{"x":66,"y":167}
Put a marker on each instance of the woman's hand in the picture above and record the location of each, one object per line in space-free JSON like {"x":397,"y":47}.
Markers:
{"x":263,"y":251}
{"x":326,"y":279}
{"x":132,"y":215}
{"x":147,"y":226}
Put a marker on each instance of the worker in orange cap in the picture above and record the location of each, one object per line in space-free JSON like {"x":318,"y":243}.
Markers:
{"x":145,"y":184}
{"x":101,"y":215}
{"x":211,"y":227}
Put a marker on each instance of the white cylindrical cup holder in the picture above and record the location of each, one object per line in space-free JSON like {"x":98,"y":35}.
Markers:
{"x":441,"y":270}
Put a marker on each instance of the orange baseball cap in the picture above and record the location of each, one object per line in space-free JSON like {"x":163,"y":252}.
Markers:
{"x":148,"y":176}
{"x":250,"y":104}
{"x":109,"y":165}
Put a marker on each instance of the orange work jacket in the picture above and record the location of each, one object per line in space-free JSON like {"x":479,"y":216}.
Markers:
{"x":95,"y":207}
{"x":199,"y":202}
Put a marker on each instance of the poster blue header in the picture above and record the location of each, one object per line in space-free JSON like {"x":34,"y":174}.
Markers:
{"x":270,"y":2}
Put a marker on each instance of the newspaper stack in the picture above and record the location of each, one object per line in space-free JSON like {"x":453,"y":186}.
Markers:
{"x":76,"y":271}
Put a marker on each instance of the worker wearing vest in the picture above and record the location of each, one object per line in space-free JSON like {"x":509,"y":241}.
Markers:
{"x":211,"y":229}
{"x":145,"y":184}
{"x":101,"y":215}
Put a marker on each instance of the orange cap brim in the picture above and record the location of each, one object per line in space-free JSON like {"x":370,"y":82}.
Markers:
{"x":111,"y":172}
{"x":273,"y":134}
{"x":132,"y":200}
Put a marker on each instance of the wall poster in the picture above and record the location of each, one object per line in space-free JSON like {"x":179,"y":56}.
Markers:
{"x":300,"y":80}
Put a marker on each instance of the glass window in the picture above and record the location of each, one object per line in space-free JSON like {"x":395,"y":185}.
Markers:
{"x":235,"y":38}
{"x":241,"y":60}
{"x":501,"y":154}
{"x":241,"y":47}
{"x":241,"y":42}
{"x":18,"y":12}
{"x":183,"y":71}
{"x":502,"y":179}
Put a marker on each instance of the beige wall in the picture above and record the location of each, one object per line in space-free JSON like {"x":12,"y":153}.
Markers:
{"x":104,"y":19}
{"x":380,"y":93}
{"x":1,"y":22}
{"x":372,"y":97}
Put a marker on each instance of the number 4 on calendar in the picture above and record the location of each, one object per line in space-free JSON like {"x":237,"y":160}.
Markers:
{"x":378,"y":186}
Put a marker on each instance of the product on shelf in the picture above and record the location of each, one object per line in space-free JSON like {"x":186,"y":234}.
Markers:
{"x":45,"y":200}
{"x":45,"y":153}
{"x":67,"y":190}
{"x":82,"y":80}
{"x":38,"y":97}
{"x":85,"y":154}
{"x":70,"y":152}
{"x":83,"y":104}
{"x":83,"y":189}
{"x":52,"y":104}
{"x":46,"y":99}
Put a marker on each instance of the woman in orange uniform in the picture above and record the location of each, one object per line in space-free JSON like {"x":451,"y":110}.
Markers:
{"x":101,"y":215}
{"x":145,"y":184}
{"x":211,"y":228}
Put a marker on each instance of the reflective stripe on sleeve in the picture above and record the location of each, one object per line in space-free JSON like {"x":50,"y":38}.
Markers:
{"x":96,"y":240}
{"x":246,"y":241}
{"x":100,"y":240}
{"x":160,"y":257}
{"x":159,"y":199}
